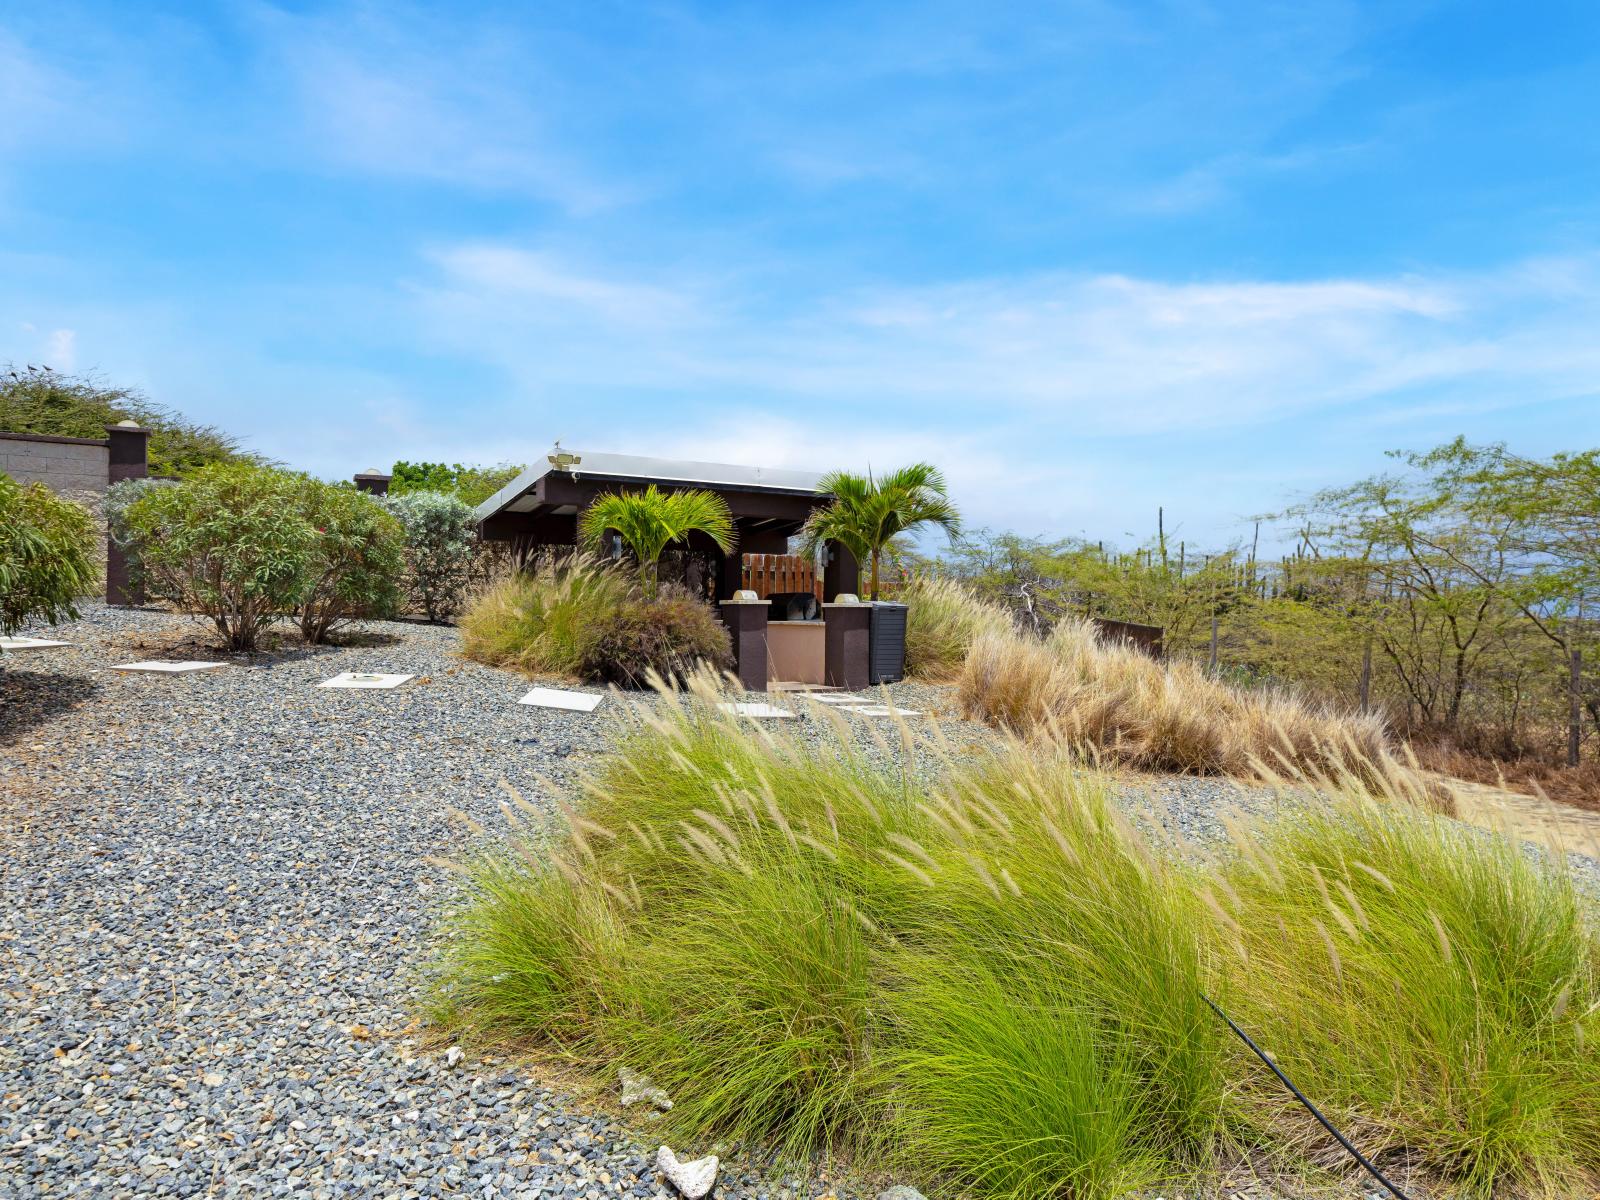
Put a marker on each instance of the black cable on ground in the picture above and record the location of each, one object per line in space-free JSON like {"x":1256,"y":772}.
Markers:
{"x":1300,"y":1096}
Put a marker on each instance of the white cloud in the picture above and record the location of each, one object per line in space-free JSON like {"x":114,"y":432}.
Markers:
{"x":1105,"y":354}
{"x":423,"y":98}
{"x":61,"y":351}
{"x":531,"y":284}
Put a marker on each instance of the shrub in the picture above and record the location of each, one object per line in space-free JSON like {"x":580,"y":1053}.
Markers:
{"x":668,"y":635}
{"x":541,"y":620}
{"x":1432,"y":986}
{"x":439,"y":541}
{"x":354,"y":566}
{"x":943,"y":619}
{"x":230,"y":542}
{"x":48,"y":555}
{"x":120,"y":497}
{"x":472,"y":484}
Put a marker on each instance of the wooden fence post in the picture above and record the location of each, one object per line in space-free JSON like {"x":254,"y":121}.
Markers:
{"x":1366,"y":675}
{"x":1212,"y":666}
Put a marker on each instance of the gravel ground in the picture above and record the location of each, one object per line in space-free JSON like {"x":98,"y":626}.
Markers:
{"x":215,"y":890}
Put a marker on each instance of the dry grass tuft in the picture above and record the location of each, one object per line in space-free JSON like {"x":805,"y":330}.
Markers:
{"x":1136,"y":711}
{"x":943,"y":619}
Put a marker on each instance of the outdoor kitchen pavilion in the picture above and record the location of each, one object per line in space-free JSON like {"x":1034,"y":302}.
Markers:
{"x":539,"y":509}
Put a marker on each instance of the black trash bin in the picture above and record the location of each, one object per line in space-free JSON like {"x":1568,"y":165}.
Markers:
{"x":887,"y":653}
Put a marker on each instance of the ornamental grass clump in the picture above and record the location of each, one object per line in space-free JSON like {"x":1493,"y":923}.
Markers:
{"x":1436,"y":989}
{"x":980,"y":975}
{"x":1130,"y":709}
{"x":782,"y":940}
{"x":541,"y":620}
{"x":943,"y":619}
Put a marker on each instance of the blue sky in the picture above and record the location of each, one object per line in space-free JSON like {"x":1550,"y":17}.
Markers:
{"x":1090,"y":257}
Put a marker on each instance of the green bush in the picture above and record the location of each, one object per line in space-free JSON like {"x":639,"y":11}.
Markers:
{"x":354,"y":567}
{"x":943,"y":619}
{"x":439,"y":544}
{"x":540,"y":620}
{"x":471,"y":484}
{"x":230,"y":542}
{"x":668,"y":635}
{"x":49,"y":555}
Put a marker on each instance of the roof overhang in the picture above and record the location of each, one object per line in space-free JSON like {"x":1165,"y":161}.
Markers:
{"x":546,"y":488}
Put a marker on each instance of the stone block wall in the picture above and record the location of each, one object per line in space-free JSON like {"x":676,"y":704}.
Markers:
{"x":81,"y":469}
{"x":78,"y":468}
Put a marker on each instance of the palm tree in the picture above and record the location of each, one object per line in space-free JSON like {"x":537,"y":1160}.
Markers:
{"x":867,"y":512}
{"x":652,"y":519}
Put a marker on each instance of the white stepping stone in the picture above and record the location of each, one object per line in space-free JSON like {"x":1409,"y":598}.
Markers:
{"x":564,"y":700}
{"x":836,"y":698}
{"x":169,"y":668}
{"x":365,"y":679}
{"x":882,"y":710}
{"x":28,"y":643}
{"x":758,"y":711}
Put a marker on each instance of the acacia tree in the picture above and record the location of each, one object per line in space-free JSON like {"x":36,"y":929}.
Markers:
{"x":651,"y":520}
{"x":40,"y":400}
{"x":868,"y":512}
{"x":47,"y":555}
{"x":1438,"y":580}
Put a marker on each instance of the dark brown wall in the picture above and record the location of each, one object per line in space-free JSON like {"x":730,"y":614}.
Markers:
{"x":1147,"y":638}
{"x":841,"y":573}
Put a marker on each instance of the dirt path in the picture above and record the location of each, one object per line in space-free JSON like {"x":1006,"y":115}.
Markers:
{"x":1560,"y":827}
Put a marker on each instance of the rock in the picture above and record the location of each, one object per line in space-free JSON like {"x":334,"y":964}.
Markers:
{"x":692,"y":1179}
{"x":901,"y":1192}
{"x":637,"y":1089}
{"x":453,"y":1055}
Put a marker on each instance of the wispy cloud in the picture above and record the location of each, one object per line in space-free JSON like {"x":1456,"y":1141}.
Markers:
{"x":1101,"y":354}
{"x":407,"y":93}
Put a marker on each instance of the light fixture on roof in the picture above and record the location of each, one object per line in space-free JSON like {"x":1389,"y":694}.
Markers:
{"x":564,"y":460}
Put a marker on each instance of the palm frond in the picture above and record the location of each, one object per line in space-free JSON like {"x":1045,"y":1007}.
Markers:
{"x":650,"y":520}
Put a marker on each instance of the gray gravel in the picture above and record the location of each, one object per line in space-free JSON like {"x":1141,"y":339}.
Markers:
{"x":214,"y":893}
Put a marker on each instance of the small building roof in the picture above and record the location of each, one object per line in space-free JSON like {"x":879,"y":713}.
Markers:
{"x":646,"y":469}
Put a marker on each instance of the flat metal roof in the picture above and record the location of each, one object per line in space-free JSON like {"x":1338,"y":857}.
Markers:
{"x":645,"y":468}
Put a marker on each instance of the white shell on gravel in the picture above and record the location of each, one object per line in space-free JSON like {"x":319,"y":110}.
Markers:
{"x":692,"y":1179}
{"x":365,"y":679}
{"x":557,"y":698}
{"x":637,"y":1089}
{"x":749,"y":709}
{"x":157,"y":667}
